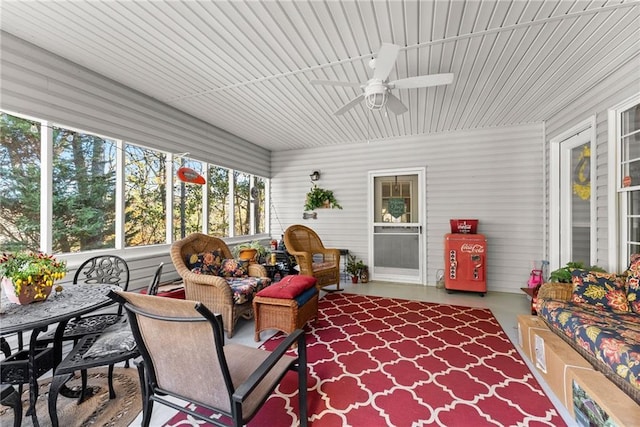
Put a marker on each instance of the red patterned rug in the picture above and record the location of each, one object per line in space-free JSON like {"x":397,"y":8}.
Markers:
{"x":377,"y":361}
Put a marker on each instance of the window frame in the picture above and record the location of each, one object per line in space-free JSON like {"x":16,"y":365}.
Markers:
{"x":617,"y":211}
{"x":133,"y":252}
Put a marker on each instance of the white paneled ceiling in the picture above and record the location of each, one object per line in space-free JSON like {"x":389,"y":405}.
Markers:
{"x":245,"y":66}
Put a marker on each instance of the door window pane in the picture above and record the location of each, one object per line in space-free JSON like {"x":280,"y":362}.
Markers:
{"x":20,"y":183}
{"x":84,"y":189}
{"x":145,"y":196}
{"x":581,"y":204}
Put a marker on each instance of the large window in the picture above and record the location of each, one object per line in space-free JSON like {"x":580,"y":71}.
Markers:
{"x":84,"y":206}
{"x":20,"y":183}
{"x":218,"y":201}
{"x":84,"y":191}
{"x":629,"y":179}
{"x":145,"y":189}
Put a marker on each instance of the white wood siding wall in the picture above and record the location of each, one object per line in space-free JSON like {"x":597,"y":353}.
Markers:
{"x":43,"y":85}
{"x":620,"y":85}
{"x":494,"y":175}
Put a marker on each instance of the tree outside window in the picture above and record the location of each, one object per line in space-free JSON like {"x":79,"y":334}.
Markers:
{"x":241,"y":211}
{"x":145,"y":201}
{"x":218,"y":187}
{"x":20,"y":183}
{"x":187,"y":202}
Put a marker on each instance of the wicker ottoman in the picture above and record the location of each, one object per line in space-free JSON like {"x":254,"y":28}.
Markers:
{"x":284,"y":314}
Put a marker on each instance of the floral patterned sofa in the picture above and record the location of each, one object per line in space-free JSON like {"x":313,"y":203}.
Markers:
{"x":598,"y":314}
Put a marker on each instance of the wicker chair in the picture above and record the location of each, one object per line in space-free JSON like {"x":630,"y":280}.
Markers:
{"x":303,"y":243}
{"x":213,"y":291}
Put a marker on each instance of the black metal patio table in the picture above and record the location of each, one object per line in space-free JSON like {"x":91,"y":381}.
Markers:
{"x":60,"y":307}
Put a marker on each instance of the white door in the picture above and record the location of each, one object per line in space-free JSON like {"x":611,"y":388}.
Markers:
{"x":396,"y":224}
{"x":573,"y":233}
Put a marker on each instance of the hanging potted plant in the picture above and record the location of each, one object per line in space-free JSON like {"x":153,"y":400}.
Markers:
{"x":318,"y":197}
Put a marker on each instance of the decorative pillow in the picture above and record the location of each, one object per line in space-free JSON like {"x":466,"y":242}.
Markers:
{"x":233,"y":268}
{"x":604,"y":291}
{"x":205,"y":262}
{"x":289,"y":287}
{"x":633,"y":284}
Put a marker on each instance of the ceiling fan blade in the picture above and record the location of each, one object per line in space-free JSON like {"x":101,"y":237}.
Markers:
{"x":395,"y":105}
{"x":385,"y":61}
{"x":355,"y":101}
{"x":422,"y":81}
{"x":333,"y":83}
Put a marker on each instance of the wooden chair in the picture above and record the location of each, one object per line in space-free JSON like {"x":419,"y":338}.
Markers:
{"x":312,"y":257}
{"x":232,"y":379}
{"x":213,"y":291}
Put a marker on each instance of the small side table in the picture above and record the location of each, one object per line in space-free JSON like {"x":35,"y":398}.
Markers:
{"x":272,"y":269}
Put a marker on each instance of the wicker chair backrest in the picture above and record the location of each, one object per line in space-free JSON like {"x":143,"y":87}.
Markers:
{"x":300,"y":238}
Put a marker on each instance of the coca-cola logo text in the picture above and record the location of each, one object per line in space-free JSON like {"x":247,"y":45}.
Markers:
{"x":472,"y":248}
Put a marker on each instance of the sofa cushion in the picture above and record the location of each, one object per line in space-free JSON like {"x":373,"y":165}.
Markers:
{"x":633,"y":284}
{"x":205,"y":262}
{"x":289,"y":287}
{"x":603,"y":291}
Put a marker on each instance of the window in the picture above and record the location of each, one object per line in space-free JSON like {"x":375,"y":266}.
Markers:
{"x":20,"y":183}
{"x":83,"y":211}
{"x":84,"y":191}
{"x":218,"y":187}
{"x":145,"y":196}
{"x":187,"y":201}
{"x":241,"y":211}
{"x":629,"y":179}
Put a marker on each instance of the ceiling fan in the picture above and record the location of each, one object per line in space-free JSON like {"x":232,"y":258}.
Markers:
{"x":377,"y":91}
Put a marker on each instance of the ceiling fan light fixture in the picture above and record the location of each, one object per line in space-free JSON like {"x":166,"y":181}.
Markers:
{"x":375,"y":101}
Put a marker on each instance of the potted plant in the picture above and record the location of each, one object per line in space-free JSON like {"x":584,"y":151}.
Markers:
{"x":354,"y":267}
{"x":563,"y":274}
{"x":318,"y":197}
{"x":252,"y":251}
{"x":29,"y":276}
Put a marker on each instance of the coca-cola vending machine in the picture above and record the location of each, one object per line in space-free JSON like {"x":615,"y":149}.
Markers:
{"x":465,"y":263}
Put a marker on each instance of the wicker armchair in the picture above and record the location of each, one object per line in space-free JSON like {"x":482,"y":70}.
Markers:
{"x":213,"y":291}
{"x":303,"y":243}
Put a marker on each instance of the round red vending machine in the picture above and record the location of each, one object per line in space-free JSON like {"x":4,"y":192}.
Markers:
{"x":465,"y":258}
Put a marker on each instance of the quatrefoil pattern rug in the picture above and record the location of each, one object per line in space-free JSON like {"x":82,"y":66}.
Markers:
{"x":377,"y":361}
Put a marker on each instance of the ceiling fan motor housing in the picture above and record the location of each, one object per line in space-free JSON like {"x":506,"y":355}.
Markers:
{"x":375,"y":94}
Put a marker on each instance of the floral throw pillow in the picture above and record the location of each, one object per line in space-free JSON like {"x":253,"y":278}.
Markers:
{"x":205,"y":263}
{"x":233,"y":268}
{"x":603,"y":291}
{"x":633,"y":284}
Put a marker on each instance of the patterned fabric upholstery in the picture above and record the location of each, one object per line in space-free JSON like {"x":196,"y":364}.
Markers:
{"x":612,"y":338}
{"x":633,"y":284}
{"x":245,"y":288}
{"x":603,"y":291}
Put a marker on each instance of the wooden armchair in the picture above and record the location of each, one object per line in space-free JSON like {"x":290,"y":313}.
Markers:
{"x":214,"y":291}
{"x":231,"y":379}
{"x":303,"y":243}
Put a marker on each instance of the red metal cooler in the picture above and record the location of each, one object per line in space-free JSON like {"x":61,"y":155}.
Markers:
{"x":465,"y":263}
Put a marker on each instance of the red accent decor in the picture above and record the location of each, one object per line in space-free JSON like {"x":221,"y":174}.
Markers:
{"x":375,"y":361}
{"x":289,"y":287}
{"x":190,"y":176}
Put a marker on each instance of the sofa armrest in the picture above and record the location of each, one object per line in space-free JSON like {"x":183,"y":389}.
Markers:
{"x":555,"y":290}
{"x":257,"y":270}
